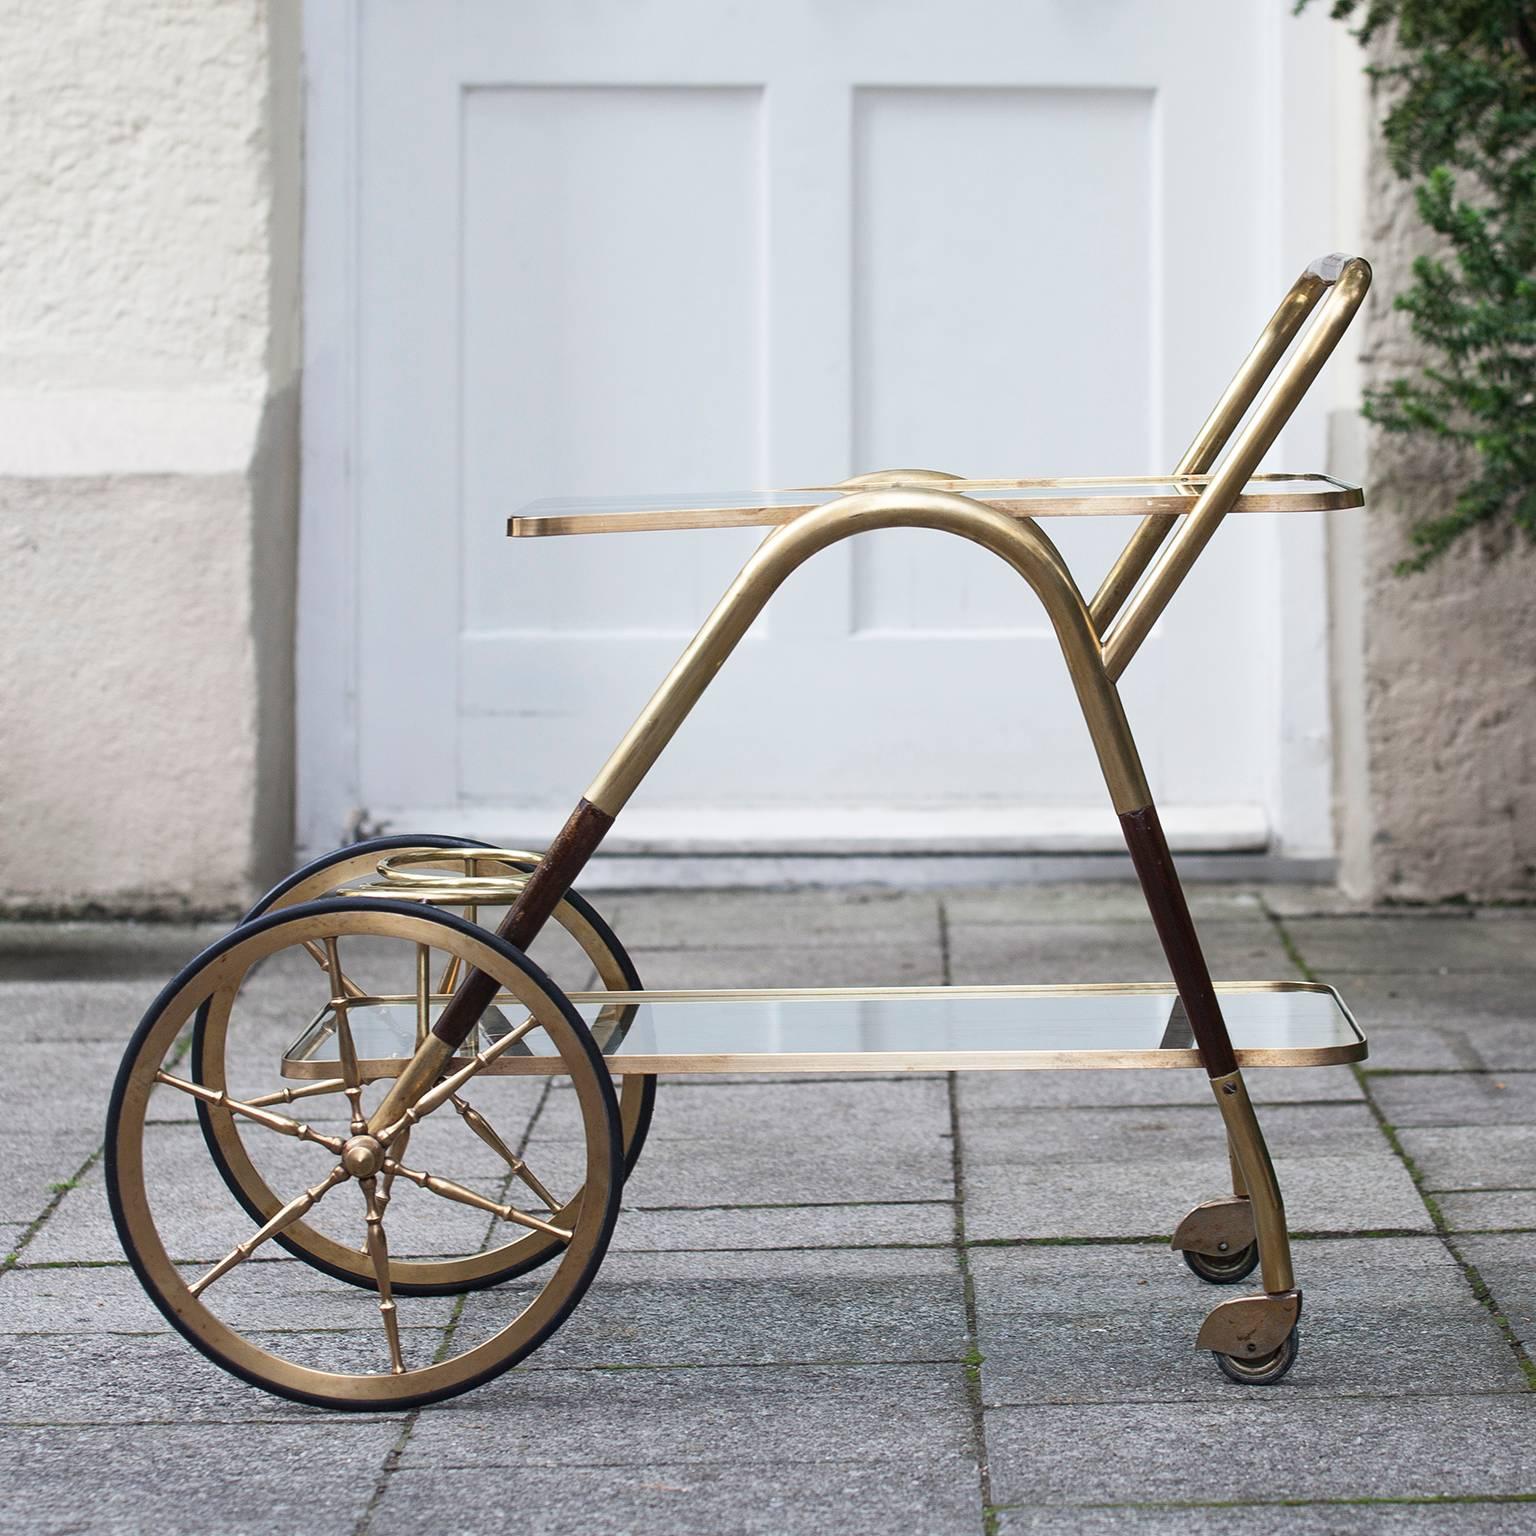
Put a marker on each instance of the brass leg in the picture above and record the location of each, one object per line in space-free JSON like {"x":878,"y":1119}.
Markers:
{"x":1239,"y":1183}
{"x":1251,"y":1155}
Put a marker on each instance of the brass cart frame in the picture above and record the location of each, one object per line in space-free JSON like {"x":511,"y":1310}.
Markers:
{"x":1099,"y":637}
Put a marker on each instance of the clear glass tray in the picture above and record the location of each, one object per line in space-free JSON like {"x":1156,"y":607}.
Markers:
{"x":880,"y":1029}
{"x":1085,"y":497}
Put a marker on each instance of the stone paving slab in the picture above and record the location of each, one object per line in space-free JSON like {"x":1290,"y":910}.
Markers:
{"x":1507,"y":1265}
{"x":1400,"y":945}
{"x":203,"y":1221}
{"x":1457,"y":1098}
{"x":59,"y":1085}
{"x":35,"y":1162}
{"x":1247,"y":950}
{"x":759,"y":1308}
{"x":687,"y":1499}
{"x":277,"y":1292}
{"x":808,"y":919}
{"x":802,"y":1414}
{"x":1089,"y":1323}
{"x":1400,"y":996}
{"x":917,"y":963}
{"x":1363,"y":1518}
{"x":181,"y":1479}
{"x":1417,"y":1048}
{"x":1170,"y":1086}
{"x":1263,"y":1444}
{"x":1490,"y":1209}
{"x":801,"y":1143}
{"x":79,"y":1009}
{"x":1473,"y":1157}
{"x":90,"y":953}
{"x":1120,"y":1173}
{"x":746,"y":1227}
{"x":124,"y":1379}
{"x":1103,"y":901}
{"x":778,"y":1340}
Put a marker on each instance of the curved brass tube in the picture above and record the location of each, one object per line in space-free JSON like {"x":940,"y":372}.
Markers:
{"x":1228,"y":411}
{"x":1345,"y":296}
{"x":1018,"y":541}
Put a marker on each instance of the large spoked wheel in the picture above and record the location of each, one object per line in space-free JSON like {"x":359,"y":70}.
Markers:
{"x":281,"y":1324}
{"x":228,"y":1141}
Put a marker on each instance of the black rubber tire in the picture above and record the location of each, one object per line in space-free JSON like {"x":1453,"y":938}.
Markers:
{"x":1223,"y":1268}
{"x":183,"y":1326}
{"x":1265,"y":1371}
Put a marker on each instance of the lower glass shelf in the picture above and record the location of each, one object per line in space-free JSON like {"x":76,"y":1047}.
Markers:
{"x":875,"y":1029}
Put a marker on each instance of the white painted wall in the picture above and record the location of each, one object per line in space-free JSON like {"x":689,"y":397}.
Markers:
{"x":149,"y":244}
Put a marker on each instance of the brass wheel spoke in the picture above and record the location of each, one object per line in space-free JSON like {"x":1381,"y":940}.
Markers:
{"x":219,"y":1099}
{"x":299,"y":1206}
{"x":346,"y":1050}
{"x":304,"y":1091}
{"x":389,"y":1177}
{"x":451,"y":1191}
{"x":423,"y":991}
{"x":318,"y":955}
{"x":445,"y":1089}
{"x":378,"y":1254}
{"x":487,"y":1133}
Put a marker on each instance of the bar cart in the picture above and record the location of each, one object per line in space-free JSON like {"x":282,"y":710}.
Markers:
{"x":401,"y":966}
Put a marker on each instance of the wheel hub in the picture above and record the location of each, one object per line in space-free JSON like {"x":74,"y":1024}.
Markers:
{"x":362,"y":1157}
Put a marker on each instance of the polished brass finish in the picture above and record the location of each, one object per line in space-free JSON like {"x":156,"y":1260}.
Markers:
{"x":1295,"y":377}
{"x":361,"y":1156}
{"x":624,"y":1063}
{"x":1250,"y":1327}
{"x":452,"y":1191}
{"x":422,"y":1105}
{"x":1252,"y":1153}
{"x":1018,"y":541}
{"x":1212,"y":437}
{"x":279,"y":1123}
{"x":487,"y":1133}
{"x":1216,"y":1227}
{"x":299,"y":1206}
{"x":1147,"y":496}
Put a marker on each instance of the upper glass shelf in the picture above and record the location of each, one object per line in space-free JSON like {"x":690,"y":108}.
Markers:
{"x":1135,"y":495}
{"x":873,"y":1029}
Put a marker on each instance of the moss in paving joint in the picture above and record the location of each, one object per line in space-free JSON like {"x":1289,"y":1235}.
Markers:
{"x":1480,"y":1288}
{"x":13,"y":1258}
{"x":1364,"y":1501}
{"x":973,"y":1356}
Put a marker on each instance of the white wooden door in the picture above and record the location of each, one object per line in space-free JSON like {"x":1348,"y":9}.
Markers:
{"x":564,"y":248}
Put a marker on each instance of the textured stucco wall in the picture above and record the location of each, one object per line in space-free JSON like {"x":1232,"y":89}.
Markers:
{"x":1449,"y":676}
{"x":149,"y":264}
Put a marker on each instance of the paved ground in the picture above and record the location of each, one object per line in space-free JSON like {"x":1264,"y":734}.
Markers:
{"x":920,"y":1305}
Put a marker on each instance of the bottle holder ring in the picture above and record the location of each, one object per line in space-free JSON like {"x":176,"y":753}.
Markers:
{"x":467,"y":876}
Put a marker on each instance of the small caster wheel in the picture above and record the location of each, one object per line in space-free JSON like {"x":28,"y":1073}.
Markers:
{"x":1263,"y":1370}
{"x":1223,"y":1268}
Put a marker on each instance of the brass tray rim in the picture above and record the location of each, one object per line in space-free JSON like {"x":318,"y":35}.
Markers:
{"x":1020,"y":1060}
{"x":1341,"y":495}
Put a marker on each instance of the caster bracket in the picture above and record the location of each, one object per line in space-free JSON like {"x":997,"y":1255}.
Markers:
{"x":1250,"y":1327}
{"x":1218,"y":1227}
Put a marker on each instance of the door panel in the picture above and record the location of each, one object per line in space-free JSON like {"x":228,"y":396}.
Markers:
{"x":673,"y":245}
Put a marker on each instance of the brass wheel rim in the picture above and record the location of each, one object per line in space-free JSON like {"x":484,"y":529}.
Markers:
{"x":590,"y":1221}
{"x":516,"y":1257}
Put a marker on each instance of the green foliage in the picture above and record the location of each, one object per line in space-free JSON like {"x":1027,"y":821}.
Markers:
{"x":1462,"y":126}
